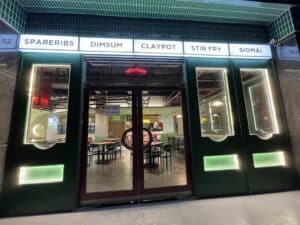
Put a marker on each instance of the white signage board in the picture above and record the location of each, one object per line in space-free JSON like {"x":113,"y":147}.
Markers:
{"x":48,"y":42}
{"x":250,"y":50}
{"x":158,"y":47}
{"x":8,"y":41}
{"x":289,"y":52}
{"x":206,"y":49}
{"x":139,"y":47}
{"x":112,"y":110}
{"x":106,"y":45}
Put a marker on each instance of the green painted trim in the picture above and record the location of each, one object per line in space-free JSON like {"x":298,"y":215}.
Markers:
{"x":41,"y":174}
{"x":268,"y":159}
{"x":221,"y":162}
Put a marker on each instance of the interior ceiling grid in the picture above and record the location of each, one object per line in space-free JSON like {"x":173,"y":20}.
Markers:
{"x":232,"y":11}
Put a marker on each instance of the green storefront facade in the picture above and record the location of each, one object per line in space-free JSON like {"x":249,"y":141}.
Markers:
{"x":241,"y":163}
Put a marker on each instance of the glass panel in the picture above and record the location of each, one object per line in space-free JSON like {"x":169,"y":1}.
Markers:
{"x":221,"y":162}
{"x":41,"y":174}
{"x":47,"y":105}
{"x":268,"y":159}
{"x":214,"y":103}
{"x":109,"y":163}
{"x":164,"y":159}
{"x":261,"y":113}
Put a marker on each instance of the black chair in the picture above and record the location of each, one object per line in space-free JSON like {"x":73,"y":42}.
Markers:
{"x":147,"y":152}
{"x":112,"y":151}
{"x":93,"y":147}
{"x":171,"y":141}
{"x":150,"y":154}
{"x":92,"y":151}
{"x":90,"y":157}
{"x":119,"y":147}
{"x":167,"y":154}
{"x":181,"y":146}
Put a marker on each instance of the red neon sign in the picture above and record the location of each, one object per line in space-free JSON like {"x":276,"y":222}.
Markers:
{"x":138,"y":71}
{"x":40,"y":101}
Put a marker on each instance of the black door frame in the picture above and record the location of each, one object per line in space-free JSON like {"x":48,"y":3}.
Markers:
{"x":138,"y":191}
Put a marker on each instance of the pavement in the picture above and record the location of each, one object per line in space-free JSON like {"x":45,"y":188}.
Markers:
{"x":266,"y":209}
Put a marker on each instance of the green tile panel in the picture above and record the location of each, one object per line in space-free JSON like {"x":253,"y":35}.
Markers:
{"x":13,"y":14}
{"x":282,"y":26}
{"x":138,"y":28}
{"x":236,"y":11}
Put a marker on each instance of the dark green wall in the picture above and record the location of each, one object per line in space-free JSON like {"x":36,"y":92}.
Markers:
{"x":213,"y":183}
{"x":248,"y":179}
{"x":41,"y":198}
{"x":273,"y":178}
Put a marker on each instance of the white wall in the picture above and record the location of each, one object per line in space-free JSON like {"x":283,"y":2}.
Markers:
{"x":166,"y":115}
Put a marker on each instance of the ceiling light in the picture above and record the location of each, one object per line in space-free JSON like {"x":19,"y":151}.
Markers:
{"x":217,"y":103}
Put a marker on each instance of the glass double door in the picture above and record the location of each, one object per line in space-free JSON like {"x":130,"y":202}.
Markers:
{"x":135,"y":144}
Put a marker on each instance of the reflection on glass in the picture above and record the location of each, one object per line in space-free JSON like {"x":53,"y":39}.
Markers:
{"x":261,"y":113}
{"x":47,"y":105}
{"x":127,"y":139}
{"x":164,"y":158}
{"x":109,"y":162}
{"x":214,"y":103}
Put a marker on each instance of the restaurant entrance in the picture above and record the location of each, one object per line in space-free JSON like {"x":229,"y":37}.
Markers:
{"x":134,"y":132}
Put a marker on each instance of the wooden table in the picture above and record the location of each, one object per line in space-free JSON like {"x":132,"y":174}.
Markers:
{"x":111,"y":139}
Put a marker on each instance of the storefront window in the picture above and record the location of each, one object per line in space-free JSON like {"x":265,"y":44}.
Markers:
{"x":214,"y":103}
{"x":47,"y":110}
{"x":259,"y":102}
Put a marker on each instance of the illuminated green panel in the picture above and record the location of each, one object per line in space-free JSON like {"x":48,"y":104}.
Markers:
{"x":221,"y":162}
{"x":41,"y":174}
{"x":268,"y":159}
